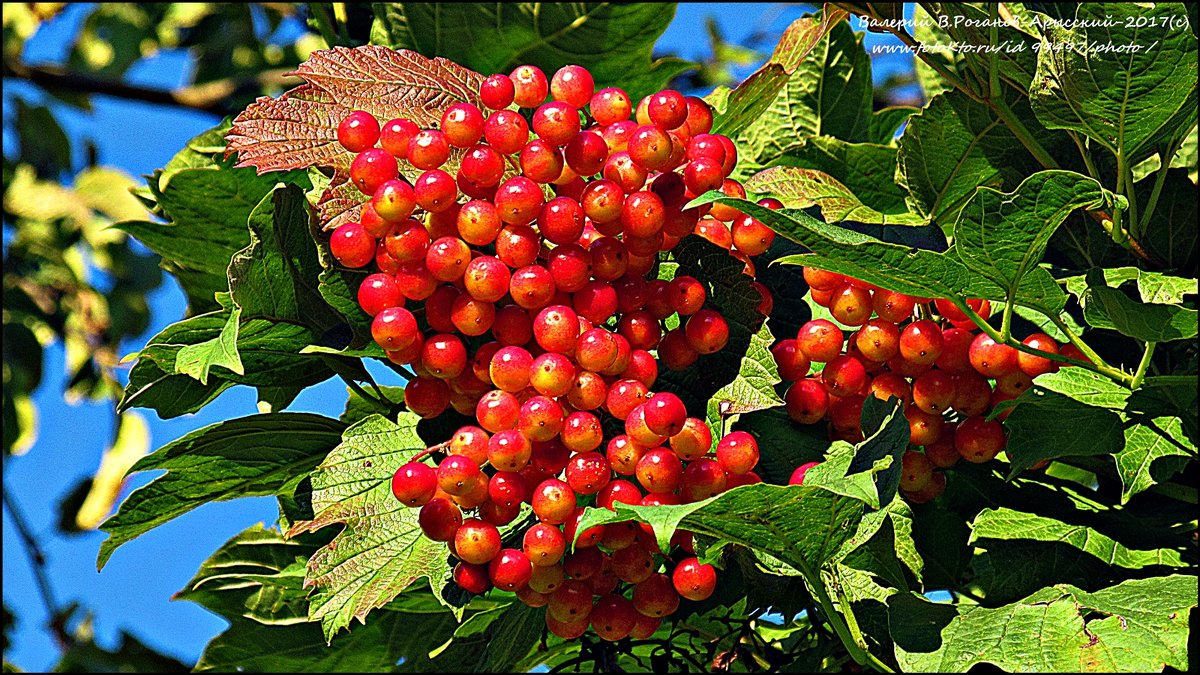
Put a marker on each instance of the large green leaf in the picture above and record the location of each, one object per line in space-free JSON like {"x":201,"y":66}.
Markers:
{"x":1004,"y":523}
{"x":166,"y":392}
{"x":1084,"y":429}
{"x":954,"y":146}
{"x":248,"y":646}
{"x":897,"y":267}
{"x":256,"y":575}
{"x":1136,"y":626}
{"x":970,"y":24}
{"x":243,"y":457}
{"x":866,"y":169}
{"x":1105,"y":307}
{"x":745,"y":104}
{"x":509,"y":635}
{"x":887,"y":433}
{"x":1123,"y":75}
{"x":801,"y":188}
{"x":1004,"y":236}
{"x":1152,"y":287}
{"x":614,"y":41}
{"x":381,"y":551}
{"x":753,"y":388}
{"x":828,"y":94}
{"x":1154,"y":450}
{"x":800,"y":525}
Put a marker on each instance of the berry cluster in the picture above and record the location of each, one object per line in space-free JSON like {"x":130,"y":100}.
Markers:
{"x":534,"y":315}
{"x":948,"y":376}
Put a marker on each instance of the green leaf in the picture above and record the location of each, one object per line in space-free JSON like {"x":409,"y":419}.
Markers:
{"x":745,"y":104}
{"x":270,"y":351}
{"x":196,"y":359}
{"x":166,"y":392}
{"x":613,"y":41}
{"x":1084,"y":429}
{"x":885,"y":122}
{"x":375,"y":647}
{"x":243,"y":457}
{"x":1153,"y":287}
{"x":255,"y":575}
{"x":866,"y":169}
{"x":833,"y":474}
{"x":1154,"y":451}
{"x":730,"y":293}
{"x":1004,"y":236}
{"x":955,"y":145}
{"x":1105,"y":307}
{"x":1139,"y":625}
{"x":753,"y":388}
{"x":887,"y":433}
{"x":884,"y":542}
{"x":896,"y":267}
{"x":510,"y":636}
{"x":276,"y":276}
{"x":802,"y":526}
{"x":1015,"y":55}
{"x":801,"y":188}
{"x":828,"y":94}
{"x":1005,"y":524}
{"x":381,"y":551}
{"x":1115,"y":79}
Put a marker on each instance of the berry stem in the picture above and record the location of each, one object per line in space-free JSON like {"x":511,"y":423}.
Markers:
{"x":1143,"y":366}
{"x":1096,"y":364}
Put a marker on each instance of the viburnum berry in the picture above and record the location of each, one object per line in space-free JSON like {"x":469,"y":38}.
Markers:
{"x":797,"y":477}
{"x":978,"y":440}
{"x":506,"y":131}
{"x":738,"y":452}
{"x":395,"y":135}
{"x":707,"y":331}
{"x":440,"y":519}
{"x":668,"y":109}
{"x":428,"y":149}
{"x":1034,"y":365}
{"x":991,"y":358}
{"x":414,"y":484}
{"x":694,"y":580}
{"x":921,"y":342}
{"x":702,"y":479}
{"x":530,"y":86}
{"x":358,"y":131}
{"x":820,"y":340}
{"x":510,"y":569}
{"x":472,"y":578}
{"x":496,"y":91}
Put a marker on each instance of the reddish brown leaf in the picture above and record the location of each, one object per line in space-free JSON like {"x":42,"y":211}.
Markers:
{"x":299,"y":129}
{"x":295,"y":131}
{"x":389,"y":83}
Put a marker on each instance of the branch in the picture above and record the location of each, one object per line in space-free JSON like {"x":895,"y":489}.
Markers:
{"x":37,"y":559}
{"x":210,"y":97}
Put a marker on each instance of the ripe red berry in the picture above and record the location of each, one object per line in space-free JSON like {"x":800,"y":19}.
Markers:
{"x":372,"y":168}
{"x":496,"y":91}
{"x":693,"y":441}
{"x":556,"y":329}
{"x":844,"y":375}
{"x":414,"y":484}
{"x":650,"y":147}
{"x":572,"y":84}
{"x":738,"y":452}
{"x":553,"y":501}
{"x":440,"y":519}
{"x":395,"y":328}
{"x":358,"y":131}
{"x":660,"y":471}
{"x":806,"y":401}
{"x":477,"y":542}
{"x":707,"y":331}
{"x":1033,"y":365}
{"x":921,"y":342}
{"x":851,"y":305}
{"x":694,"y":580}
{"x":510,"y":570}
{"x":506,"y":131}
{"x":665,"y":414}
{"x":915,"y":471}
{"x":820,"y":340}
{"x":702,"y":479}
{"x":933,"y":391}
{"x":992,"y":359}
{"x":668,"y":109}
{"x":428,"y":149}
{"x":978,"y":440}
{"x":613,"y":617}
{"x":543,"y":544}
{"x":530,"y":86}
{"x":518,"y":200}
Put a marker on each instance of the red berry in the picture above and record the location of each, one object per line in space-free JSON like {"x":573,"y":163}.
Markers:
{"x":797,"y":477}
{"x":472,"y":578}
{"x":358,"y":131}
{"x":371,"y":168}
{"x":610,"y":106}
{"x":1033,"y":365}
{"x":414,"y":484}
{"x":543,"y":544}
{"x":530,"y":86}
{"x":992,"y":359}
{"x":506,"y":131}
{"x":694,"y":580}
{"x":738,"y":452}
{"x":573,"y":85}
{"x":820,"y":340}
{"x":395,"y":136}
{"x":707,"y":331}
{"x":477,"y":542}
{"x":921,"y":342}
{"x":510,"y":570}
{"x":440,"y":519}
{"x":807,"y":401}
{"x":428,"y":149}
{"x":553,"y":501}
{"x":978,"y":440}
{"x":395,"y":328}
{"x":462,"y":123}
{"x":668,"y":109}
{"x":613,"y":617}
{"x":497,"y":91}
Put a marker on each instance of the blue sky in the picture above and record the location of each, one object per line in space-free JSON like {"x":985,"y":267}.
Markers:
{"x":133,"y":592}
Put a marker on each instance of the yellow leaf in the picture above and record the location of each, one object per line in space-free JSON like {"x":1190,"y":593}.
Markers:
{"x":132,"y":443}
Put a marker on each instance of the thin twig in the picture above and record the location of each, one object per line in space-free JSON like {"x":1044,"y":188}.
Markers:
{"x":37,"y":560}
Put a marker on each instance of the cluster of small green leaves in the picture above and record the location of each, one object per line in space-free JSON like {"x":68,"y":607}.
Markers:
{"x":1018,"y":182}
